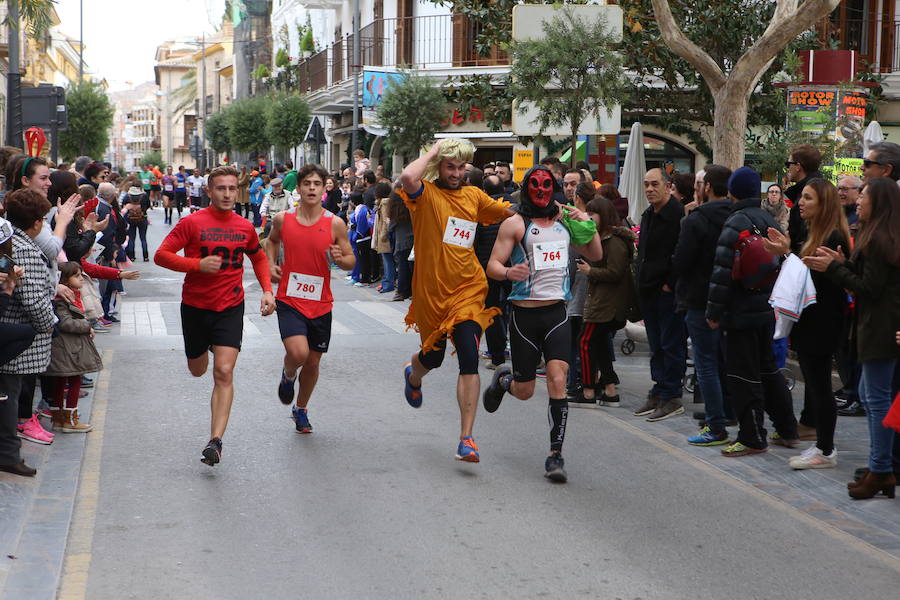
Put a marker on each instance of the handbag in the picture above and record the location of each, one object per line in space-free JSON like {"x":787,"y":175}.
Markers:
{"x":892,"y":418}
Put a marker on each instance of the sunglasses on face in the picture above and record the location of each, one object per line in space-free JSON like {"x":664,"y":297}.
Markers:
{"x":847,"y":189}
{"x":788,"y":163}
{"x":868,"y":163}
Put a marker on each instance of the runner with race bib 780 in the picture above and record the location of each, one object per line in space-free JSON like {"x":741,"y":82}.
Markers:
{"x":310,"y":236}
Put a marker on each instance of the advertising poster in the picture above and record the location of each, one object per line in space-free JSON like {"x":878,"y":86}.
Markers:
{"x":375,"y":84}
{"x":843,"y":167}
{"x":522,"y":161}
{"x":851,"y":119}
{"x":811,"y":111}
{"x":837,"y":113}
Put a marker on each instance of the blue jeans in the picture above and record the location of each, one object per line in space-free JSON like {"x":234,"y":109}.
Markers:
{"x":875,"y":392}
{"x":706,"y":342}
{"x":390,"y":274}
{"x":136,"y":230}
{"x":257,"y":217}
{"x":668,"y":344}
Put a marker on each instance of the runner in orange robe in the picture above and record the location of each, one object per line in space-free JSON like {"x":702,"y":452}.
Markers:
{"x":449,"y":284}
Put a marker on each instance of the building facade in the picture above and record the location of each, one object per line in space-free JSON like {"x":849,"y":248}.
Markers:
{"x":175,"y":76}
{"x":872,"y":29}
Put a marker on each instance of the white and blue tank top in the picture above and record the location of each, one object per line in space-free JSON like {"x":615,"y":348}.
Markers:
{"x":546,"y":249}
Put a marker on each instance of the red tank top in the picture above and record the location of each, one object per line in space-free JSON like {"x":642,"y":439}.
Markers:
{"x":305,"y":274}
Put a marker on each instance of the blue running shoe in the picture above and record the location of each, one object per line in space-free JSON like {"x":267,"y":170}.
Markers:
{"x":286,"y":389}
{"x":301,"y":419}
{"x":413,"y":394}
{"x":707,"y":437}
{"x":467,"y":450}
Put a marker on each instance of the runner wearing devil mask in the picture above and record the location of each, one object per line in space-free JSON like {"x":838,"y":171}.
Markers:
{"x":537,"y":241}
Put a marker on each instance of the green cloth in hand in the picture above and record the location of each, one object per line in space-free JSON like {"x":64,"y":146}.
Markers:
{"x":582,"y":232}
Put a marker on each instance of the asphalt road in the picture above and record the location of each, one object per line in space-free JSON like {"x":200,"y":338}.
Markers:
{"x":372,"y":505}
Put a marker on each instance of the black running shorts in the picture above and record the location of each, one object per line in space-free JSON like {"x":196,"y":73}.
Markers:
{"x":538,"y":331}
{"x":196,"y":201}
{"x":154,"y":188}
{"x":292,"y":322}
{"x":203,"y":328}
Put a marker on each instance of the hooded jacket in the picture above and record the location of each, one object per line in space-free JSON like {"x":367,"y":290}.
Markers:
{"x":695,"y":253}
{"x":610,"y":285}
{"x":526,"y":205}
{"x":729,"y":302}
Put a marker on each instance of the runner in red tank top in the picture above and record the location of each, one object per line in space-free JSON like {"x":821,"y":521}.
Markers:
{"x":310,"y":235}
{"x":215,"y":241}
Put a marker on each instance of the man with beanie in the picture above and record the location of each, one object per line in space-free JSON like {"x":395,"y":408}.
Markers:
{"x":754,"y":382}
{"x":660,"y":226}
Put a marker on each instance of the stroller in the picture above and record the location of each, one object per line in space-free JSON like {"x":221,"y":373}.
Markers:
{"x":634,"y":332}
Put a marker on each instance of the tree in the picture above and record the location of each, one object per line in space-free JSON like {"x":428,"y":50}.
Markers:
{"x":411,"y":111}
{"x":90,"y":117}
{"x":567,"y":79}
{"x":287,"y":119}
{"x":668,"y":91}
{"x":34,"y":12}
{"x":154,"y":157}
{"x":246,"y":120}
{"x":731,"y":92}
{"x":216,"y":130}
{"x":184,"y":96}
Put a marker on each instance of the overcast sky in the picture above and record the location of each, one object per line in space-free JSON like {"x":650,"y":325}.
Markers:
{"x":121,"y":37}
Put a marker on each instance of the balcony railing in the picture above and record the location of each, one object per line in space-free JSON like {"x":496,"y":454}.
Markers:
{"x":876,"y":41}
{"x":436,"y":41}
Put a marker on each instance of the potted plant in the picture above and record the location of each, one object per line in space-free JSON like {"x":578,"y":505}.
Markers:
{"x":307,"y":43}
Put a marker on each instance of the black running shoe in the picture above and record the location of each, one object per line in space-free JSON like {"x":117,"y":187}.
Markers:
{"x":493,"y":395}
{"x":286,"y":389}
{"x":212,"y":453}
{"x":554,"y":467}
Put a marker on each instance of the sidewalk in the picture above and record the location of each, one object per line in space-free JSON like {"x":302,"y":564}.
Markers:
{"x":35,"y":513}
{"x":820,"y":494}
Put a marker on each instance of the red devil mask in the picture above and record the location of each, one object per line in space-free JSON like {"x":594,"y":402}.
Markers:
{"x":540,"y":187}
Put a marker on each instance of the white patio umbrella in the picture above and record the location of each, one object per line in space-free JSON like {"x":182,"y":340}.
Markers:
{"x":631,"y":184}
{"x":872,"y":135}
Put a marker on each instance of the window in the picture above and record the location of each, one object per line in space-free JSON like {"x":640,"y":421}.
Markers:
{"x":659,"y":151}
{"x":852,"y":25}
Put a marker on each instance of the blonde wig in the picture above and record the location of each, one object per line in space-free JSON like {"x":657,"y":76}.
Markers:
{"x":453,"y":149}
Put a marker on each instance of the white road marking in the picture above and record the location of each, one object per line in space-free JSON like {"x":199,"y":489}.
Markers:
{"x":382,"y":313}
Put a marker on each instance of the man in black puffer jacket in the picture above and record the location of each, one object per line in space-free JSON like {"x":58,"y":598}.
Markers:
{"x":693,"y":265}
{"x":754,"y":382}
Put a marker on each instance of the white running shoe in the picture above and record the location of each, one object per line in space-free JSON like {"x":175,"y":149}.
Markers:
{"x":812,"y":458}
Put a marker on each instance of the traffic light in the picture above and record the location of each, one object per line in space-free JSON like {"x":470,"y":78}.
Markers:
{"x":196,"y":147}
